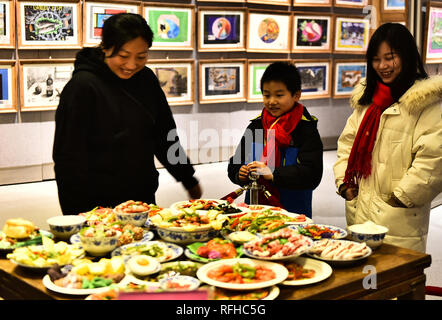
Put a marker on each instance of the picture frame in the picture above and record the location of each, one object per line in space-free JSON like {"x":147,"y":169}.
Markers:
{"x":225,"y":1}
{"x":312,"y":3}
{"x":221,"y":29}
{"x":347,"y":74}
{"x":315,"y":78}
{"x":272,"y":2}
{"x":255,"y":69}
{"x":63,"y":31}
{"x":222,"y":81}
{"x":312,"y":33}
{"x":394,"y":5}
{"x":8,"y":86}
{"x":350,"y":3}
{"x":177,"y":79}
{"x":42,"y":81}
{"x":351,"y":34}
{"x":173,"y":25}
{"x":95,"y":12}
{"x":7,"y":24}
{"x":269,"y":31}
{"x":432,"y":50}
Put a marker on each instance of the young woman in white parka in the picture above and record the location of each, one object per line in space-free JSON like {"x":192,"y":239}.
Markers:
{"x":389,"y":165}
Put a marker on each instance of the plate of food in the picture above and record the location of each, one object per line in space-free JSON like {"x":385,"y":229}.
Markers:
{"x":242,"y":274}
{"x":212,"y":250}
{"x":197,"y":204}
{"x":283,"y":244}
{"x":339,"y":252}
{"x":303,"y":271}
{"x":321,"y":231}
{"x":269,"y":293}
{"x":85,"y":277}
{"x":160,"y":250}
{"x":129,"y":234}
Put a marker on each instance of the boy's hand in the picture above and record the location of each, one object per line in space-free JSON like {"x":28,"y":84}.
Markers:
{"x":243,"y":174}
{"x":261,"y":169}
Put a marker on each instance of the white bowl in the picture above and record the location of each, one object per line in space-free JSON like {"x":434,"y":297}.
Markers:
{"x":63,"y":227}
{"x":370,"y":233}
{"x":100,"y":246}
{"x":181,"y":236}
{"x":137,"y":218}
{"x":191,"y":283}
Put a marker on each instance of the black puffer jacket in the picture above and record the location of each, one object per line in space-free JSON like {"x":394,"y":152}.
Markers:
{"x":108,"y":131}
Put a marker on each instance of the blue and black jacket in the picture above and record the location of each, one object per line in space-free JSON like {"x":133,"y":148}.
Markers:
{"x":301,"y":166}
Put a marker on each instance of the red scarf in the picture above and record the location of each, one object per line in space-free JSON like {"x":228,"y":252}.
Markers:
{"x":277,"y":136}
{"x":359,"y":162}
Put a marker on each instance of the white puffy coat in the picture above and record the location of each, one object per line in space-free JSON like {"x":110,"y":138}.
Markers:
{"x":406,"y":160}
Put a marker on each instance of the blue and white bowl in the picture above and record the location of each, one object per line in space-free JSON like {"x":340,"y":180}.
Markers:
{"x":181,"y":236}
{"x":100,"y":246}
{"x":63,"y":227}
{"x":370,"y":233}
{"x":191,"y":282}
{"x":137,"y":218}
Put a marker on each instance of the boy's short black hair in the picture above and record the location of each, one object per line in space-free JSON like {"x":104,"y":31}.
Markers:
{"x":124,"y":27}
{"x":285,"y":72}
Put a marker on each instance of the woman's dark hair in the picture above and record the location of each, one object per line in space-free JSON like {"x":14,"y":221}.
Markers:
{"x":285,"y":72}
{"x":402,"y":42}
{"x":123,"y":27}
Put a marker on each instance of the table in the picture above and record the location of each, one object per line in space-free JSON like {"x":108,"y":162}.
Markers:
{"x":399,"y":273}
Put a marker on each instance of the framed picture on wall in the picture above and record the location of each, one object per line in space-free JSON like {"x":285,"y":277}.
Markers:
{"x":269,"y":31}
{"x":272,"y":2}
{"x":351,"y":35}
{"x":97,"y":11}
{"x":350,"y":3}
{"x":312,"y":3}
{"x":347,"y":74}
{"x":45,"y":24}
{"x":7,"y":24}
{"x":393,"y":5}
{"x":315,"y":78}
{"x":42,"y":81}
{"x":222,"y":81}
{"x":255,"y":70}
{"x":173,"y":25}
{"x":176,"y":79}
{"x":433,"y":36}
{"x":225,"y":1}
{"x":221,"y":30}
{"x":8,"y":86}
{"x":312,"y":33}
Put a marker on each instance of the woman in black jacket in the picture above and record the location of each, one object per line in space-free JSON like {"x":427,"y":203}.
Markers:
{"x":112,"y":119}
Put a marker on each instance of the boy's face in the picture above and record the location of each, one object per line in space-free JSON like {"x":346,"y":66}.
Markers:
{"x":277,"y":98}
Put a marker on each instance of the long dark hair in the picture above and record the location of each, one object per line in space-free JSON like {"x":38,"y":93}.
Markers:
{"x":402,"y":42}
{"x":123,"y":27}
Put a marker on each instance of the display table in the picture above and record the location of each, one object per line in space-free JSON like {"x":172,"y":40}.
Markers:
{"x":399,"y":273}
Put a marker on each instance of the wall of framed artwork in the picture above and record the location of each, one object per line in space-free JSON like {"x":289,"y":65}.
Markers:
{"x":7,"y":24}
{"x":177,"y":79}
{"x":268,"y":31}
{"x":41,"y":82}
{"x":8,"y":86}
{"x":312,"y":33}
{"x":222,"y":81}
{"x":47,"y":24}
{"x":95,"y":12}
{"x":173,"y":25}
{"x":432,"y":49}
{"x":347,"y":74}
{"x":315,"y":78}
{"x":351,"y":34}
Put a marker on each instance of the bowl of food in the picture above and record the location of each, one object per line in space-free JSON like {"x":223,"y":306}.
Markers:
{"x":63,"y":227}
{"x":99,"y":240}
{"x":369,"y":232}
{"x":179,"y":283}
{"x":133,"y":212}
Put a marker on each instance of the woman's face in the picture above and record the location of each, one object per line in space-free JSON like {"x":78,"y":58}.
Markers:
{"x":277,"y":98}
{"x":131,"y":58}
{"x":387,"y":63}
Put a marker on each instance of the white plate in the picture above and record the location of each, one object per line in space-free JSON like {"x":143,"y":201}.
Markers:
{"x":273,"y":293}
{"x":295,"y":216}
{"x":342,"y":233}
{"x":147,"y":236}
{"x":322,"y":271}
{"x":176,"y":207}
{"x":280,"y":271}
{"x":47,"y":282}
{"x":176,"y":250}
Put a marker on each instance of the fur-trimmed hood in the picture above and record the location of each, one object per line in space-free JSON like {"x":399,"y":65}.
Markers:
{"x":422,"y":94}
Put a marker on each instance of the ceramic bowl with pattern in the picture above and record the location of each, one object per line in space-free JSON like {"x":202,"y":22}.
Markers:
{"x":136,"y":218}
{"x":100,"y":246}
{"x":370,"y":233}
{"x":180,"y":236}
{"x":63,"y":227}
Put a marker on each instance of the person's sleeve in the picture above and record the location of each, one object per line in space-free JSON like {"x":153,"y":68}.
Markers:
{"x":423,"y":180}
{"x":236,"y":162}
{"x":69,"y":149}
{"x":307,"y":173}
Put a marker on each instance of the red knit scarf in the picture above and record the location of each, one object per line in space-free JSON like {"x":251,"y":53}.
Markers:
{"x":359,"y":162}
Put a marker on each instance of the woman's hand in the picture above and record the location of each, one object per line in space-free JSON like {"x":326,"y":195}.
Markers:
{"x":261,"y":169}
{"x":350,"y":193}
{"x":195,"y":192}
{"x":243,"y":174}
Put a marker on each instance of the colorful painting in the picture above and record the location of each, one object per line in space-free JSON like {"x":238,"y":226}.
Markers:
{"x":312,"y":2}
{"x":351,"y":3}
{"x":96,"y":13}
{"x":433,"y":39}
{"x":347,"y":76}
{"x":172,"y":26}
{"x":268,"y":32}
{"x":311,"y":33}
{"x":7,"y":24}
{"x":394,"y":4}
{"x":7,"y":88}
{"x":351,"y":34}
{"x":315,"y":79}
